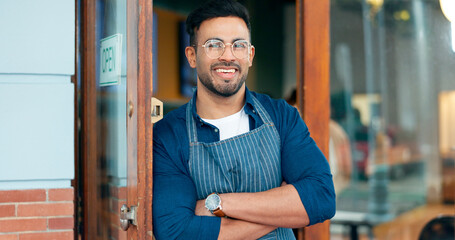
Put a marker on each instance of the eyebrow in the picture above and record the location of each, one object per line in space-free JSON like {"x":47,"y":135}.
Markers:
{"x":215,"y":38}
{"x":219,"y":39}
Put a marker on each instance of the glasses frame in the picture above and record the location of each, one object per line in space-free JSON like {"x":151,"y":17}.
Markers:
{"x":224,"y":48}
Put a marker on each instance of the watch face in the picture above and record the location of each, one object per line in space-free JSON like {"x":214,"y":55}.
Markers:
{"x":212,"y":202}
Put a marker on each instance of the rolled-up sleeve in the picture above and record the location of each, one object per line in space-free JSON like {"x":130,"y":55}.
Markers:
{"x":174,"y":199}
{"x":306,"y":168}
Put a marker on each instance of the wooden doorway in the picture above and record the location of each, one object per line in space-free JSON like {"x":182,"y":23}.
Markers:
{"x":313,"y":83}
{"x":115,"y":118}
{"x":313,"y":101}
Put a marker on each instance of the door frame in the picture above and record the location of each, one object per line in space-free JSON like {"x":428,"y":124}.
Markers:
{"x":313,"y":83}
{"x":139,"y":125}
{"x":86,"y":186}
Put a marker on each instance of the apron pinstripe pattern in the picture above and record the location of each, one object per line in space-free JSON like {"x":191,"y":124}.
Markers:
{"x":249,"y":162}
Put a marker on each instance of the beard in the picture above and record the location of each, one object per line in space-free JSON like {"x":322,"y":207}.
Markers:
{"x":226,"y":90}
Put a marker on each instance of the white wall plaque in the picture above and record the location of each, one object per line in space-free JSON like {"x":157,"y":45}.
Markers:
{"x":111,"y":60}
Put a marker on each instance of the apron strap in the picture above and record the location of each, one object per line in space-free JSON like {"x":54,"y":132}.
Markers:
{"x":190,"y":123}
{"x":261,"y":110}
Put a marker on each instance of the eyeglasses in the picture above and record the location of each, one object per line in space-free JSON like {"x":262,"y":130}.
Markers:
{"x":215,"y":48}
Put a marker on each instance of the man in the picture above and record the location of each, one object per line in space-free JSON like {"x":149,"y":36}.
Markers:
{"x":234,"y":164}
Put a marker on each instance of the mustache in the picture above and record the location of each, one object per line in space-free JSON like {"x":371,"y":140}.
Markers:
{"x":225,"y":64}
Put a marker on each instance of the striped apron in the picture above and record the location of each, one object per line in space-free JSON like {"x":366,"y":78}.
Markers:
{"x":249,"y":162}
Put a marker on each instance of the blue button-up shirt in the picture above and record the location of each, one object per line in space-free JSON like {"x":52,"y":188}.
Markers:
{"x":174,"y":193}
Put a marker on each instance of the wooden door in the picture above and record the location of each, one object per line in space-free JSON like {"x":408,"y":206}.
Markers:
{"x":115,"y":113}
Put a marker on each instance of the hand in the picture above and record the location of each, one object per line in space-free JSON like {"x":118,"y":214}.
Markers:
{"x":201,"y":210}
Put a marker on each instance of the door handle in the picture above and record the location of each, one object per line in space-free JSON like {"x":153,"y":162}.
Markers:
{"x":128,"y":217}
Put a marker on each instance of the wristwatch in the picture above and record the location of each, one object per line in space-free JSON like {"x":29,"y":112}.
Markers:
{"x":213,"y":204}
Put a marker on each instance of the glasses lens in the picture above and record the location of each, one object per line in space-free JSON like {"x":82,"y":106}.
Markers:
{"x":240,"y":49}
{"x":214,"y":48}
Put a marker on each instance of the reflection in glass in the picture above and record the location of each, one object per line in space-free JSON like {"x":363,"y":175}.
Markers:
{"x":453,"y":37}
{"x":391,"y":60}
{"x":111,"y":127}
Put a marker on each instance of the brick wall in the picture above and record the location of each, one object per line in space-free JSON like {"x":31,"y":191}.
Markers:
{"x":37,"y":214}
{"x":117,"y":198}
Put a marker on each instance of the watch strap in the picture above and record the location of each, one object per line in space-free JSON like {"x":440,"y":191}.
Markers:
{"x":219,"y":212}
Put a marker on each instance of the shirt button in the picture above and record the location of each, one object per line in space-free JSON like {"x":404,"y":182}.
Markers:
{"x":216,"y":130}
{"x":254,"y":111}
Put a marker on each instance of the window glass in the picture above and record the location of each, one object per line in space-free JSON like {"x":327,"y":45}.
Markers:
{"x":392,"y":105}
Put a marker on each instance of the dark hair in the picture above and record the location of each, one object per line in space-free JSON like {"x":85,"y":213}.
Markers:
{"x":214,"y":9}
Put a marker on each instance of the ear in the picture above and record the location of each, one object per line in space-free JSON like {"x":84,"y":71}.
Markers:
{"x":251,"y":55}
{"x":190,"y":53}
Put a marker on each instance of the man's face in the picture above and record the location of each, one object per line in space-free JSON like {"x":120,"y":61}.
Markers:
{"x":225,"y":75}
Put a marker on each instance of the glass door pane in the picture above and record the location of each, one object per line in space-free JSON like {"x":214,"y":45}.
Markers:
{"x":391,"y":73}
{"x":112,"y":114}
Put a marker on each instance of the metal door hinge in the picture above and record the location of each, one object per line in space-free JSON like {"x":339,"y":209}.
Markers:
{"x":157,"y":110}
{"x":128,"y":216}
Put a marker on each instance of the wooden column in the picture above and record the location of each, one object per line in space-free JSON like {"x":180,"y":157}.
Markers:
{"x":313,"y":81}
{"x":88,"y":119}
{"x":140,"y":128}
{"x":139,"y":125}
{"x":135,"y":149}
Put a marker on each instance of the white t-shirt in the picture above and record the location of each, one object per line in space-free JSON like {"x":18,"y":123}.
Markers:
{"x":231,"y":126}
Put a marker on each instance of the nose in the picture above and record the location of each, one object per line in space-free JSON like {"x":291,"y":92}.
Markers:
{"x":227,"y":55}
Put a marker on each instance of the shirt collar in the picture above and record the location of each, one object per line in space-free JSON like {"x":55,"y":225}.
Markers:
{"x":249,"y":105}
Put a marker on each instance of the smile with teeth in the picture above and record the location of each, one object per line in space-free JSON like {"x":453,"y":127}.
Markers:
{"x":225,"y":70}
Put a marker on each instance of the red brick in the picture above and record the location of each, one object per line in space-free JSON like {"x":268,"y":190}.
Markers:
{"x":9,"y":237}
{"x":32,"y":195}
{"x":115,"y":218}
{"x":122,"y":193}
{"x":61,"y":223}
{"x":67,"y":235}
{"x":122,"y":235}
{"x":45,"y":209}
{"x":20,"y":225}
{"x":113,"y":191}
{"x":112,"y":204}
{"x":115,"y":204}
{"x":63,"y":194}
{"x":118,"y":192}
{"x":118,"y":233}
{"x":7,"y":210}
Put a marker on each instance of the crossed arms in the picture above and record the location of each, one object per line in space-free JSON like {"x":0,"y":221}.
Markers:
{"x":308,"y":198}
{"x":177,"y":213}
{"x":257,"y":214}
